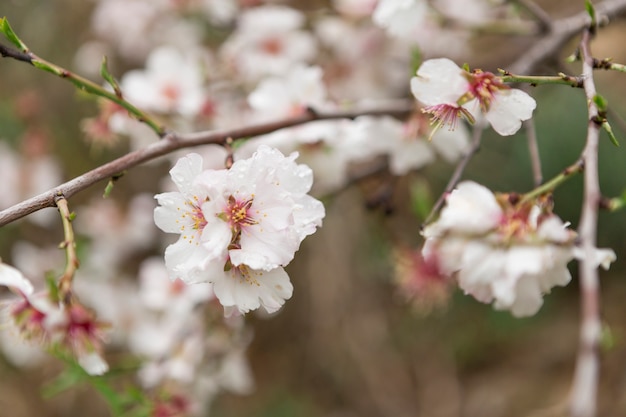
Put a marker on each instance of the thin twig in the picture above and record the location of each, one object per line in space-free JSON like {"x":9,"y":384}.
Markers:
{"x":477,"y":135}
{"x":533,"y":150}
{"x":174,"y":141}
{"x":562,"y":31}
{"x":71,"y":258}
{"x":583,"y":400}
{"x":543,"y":19}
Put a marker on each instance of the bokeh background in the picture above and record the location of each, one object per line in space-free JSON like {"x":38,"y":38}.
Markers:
{"x":348,"y":343}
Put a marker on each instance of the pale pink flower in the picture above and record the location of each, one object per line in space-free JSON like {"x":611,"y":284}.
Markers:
{"x":450,"y":93}
{"x":502,"y":251}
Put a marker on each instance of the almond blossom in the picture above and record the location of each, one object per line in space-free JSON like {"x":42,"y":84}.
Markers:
{"x":503,"y":251}
{"x":239,"y":227}
{"x":450,"y":93}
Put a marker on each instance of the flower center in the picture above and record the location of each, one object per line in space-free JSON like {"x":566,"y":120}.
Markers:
{"x":238,"y":213}
{"x":483,"y":87}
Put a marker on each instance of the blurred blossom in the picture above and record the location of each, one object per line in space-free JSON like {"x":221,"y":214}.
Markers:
{"x":172,"y":83}
{"x":503,"y":251}
{"x":355,"y":8}
{"x":268,"y":40}
{"x":420,"y":281}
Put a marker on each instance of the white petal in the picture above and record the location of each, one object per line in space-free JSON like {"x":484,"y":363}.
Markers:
{"x":93,"y":363}
{"x":15,"y":280}
{"x":439,"y":81}
{"x":509,"y":109}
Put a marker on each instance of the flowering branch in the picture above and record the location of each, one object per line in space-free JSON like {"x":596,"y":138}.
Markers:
{"x":584,"y":388}
{"x":69,"y":244}
{"x":83,"y":84}
{"x":561,"y":31}
{"x":174,"y":141}
{"x":508,"y":77}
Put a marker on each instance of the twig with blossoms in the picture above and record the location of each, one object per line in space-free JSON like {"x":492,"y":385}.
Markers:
{"x":583,"y":400}
{"x":174,"y":141}
{"x":69,"y":244}
{"x":83,"y":84}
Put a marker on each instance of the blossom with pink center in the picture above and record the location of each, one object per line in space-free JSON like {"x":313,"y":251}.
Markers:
{"x":172,"y":83}
{"x":502,"y":250}
{"x":268,"y":41}
{"x":240,"y":225}
{"x":450,"y":93}
{"x":181,"y":212}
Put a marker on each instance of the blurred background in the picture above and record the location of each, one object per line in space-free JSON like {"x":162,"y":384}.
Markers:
{"x":349,"y":342}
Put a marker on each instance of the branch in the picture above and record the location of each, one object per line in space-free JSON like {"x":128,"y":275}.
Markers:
{"x":561,"y":32}
{"x":174,"y":141}
{"x":69,"y":244}
{"x":477,"y":135}
{"x":533,"y":150}
{"x":583,"y":400}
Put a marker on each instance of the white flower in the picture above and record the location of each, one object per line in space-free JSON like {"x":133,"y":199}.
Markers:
{"x":400,"y":17}
{"x":449,"y":93}
{"x":503,"y":251}
{"x":268,"y":41}
{"x":239,"y":226}
{"x":171,"y":83}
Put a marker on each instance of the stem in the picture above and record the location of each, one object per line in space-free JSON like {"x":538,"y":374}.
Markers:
{"x":583,"y":400}
{"x":540,"y":15}
{"x":82,"y":84}
{"x":477,"y":135}
{"x":551,"y":185}
{"x":533,"y":150}
{"x":537,"y":80}
{"x":174,"y":141}
{"x":69,"y":244}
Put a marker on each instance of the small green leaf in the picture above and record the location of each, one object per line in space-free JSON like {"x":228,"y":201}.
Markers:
{"x":607,"y":128}
{"x":108,"y":188}
{"x":421,"y":198}
{"x":6,"y":29}
{"x":591,"y":11}
{"x":466,"y":67}
{"x":104,"y":71}
{"x":600,"y":102}
{"x":607,"y":338}
{"x":416,"y":60}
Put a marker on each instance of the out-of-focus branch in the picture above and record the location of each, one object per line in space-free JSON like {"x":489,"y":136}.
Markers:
{"x":174,"y":141}
{"x":477,"y":135}
{"x":561,"y":31}
{"x":533,"y":150}
{"x":583,"y":400}
{"x":540,"y":15}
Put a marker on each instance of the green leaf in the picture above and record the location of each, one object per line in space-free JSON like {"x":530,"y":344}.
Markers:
{"x":591,"y":11}
{"x":6,"y":29}
{"x":416,"y":60}
{"x":600,"y":102}
{"x":421,"y":198}
{"x":104,"y":71}
{"x":607,"y":128}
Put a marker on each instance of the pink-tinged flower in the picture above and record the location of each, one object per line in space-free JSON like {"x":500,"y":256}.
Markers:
{"x":450,"y":93}
{"x":181,"y":212}
{"x":268,"y":41}
{"x":39,"y":318}
{"x":260,"y":212}
{"x":400,"y":17}
{"x":502,"y":250}
{"x":172,"y":83}
{"x":239,"y":226}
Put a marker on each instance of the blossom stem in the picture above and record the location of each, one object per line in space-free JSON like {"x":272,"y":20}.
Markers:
{"x":551,"y":185}
{"x":71,"y":258}
{"x":533,"y":149}
{"x":81,"y":83}
{"x":583,"y":396}
{"x":477,"y":135}
{"x":570,"y":80}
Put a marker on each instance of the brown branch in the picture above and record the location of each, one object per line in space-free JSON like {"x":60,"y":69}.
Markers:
{"x":7,"y":52}
{"x":583,"y":400}
{"x":561,"y":31}
{"x":540,"y":15}
{"x":175,"y":141}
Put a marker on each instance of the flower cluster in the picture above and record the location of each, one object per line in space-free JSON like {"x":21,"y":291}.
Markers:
{"x":38,"y":317}
{"x":504,"y":249}
{"x":449,"y":93}
{"x":240,"y":226}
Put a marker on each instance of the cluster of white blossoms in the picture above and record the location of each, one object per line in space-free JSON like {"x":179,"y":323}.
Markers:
{"x":450,"y":93}
{"x":37,"y":316}
{"x":240,"y":226}
{"x":504,"y":250}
